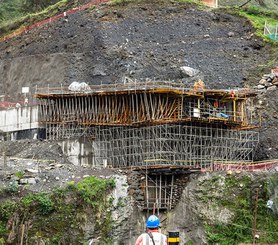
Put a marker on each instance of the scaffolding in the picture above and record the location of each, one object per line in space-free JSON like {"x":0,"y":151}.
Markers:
{"x":161,"y":129}
{"x":143,"y":105}
{"x":153,"y":123}
{"x":168,"y":145}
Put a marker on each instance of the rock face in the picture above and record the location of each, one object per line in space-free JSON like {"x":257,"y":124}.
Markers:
{"x":200,"y":200}
{"x":266,"y":116}
{"x":214,"y":199}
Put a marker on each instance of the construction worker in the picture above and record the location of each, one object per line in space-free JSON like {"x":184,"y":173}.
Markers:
{"x":199,"y":85}
{"x":152,"y":236}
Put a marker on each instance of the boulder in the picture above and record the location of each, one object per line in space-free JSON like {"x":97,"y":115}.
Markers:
{"x":189,"y":71}
{"x":231,"y":34}
{"x":262,"y":82}
{"x":275,"y":81}
{"x":271,"y":88}
{"x":30,"y":181}
{"x":268,"y":84}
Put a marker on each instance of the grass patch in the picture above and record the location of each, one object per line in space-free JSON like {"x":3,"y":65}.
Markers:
{"x":257,"y":17}
{"x":13,"y":24}
{"x":19,"y":174}
{"x":61,"y":217}
{"x":125,"y":2}
{"x":10,"y":9}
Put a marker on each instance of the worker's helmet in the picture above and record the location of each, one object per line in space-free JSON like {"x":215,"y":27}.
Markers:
{"x":153,"y":222}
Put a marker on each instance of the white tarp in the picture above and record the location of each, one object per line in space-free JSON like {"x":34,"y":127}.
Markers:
{"x":78,"y":87}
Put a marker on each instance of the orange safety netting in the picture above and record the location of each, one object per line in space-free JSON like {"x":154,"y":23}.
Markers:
{"x":264,"y":166}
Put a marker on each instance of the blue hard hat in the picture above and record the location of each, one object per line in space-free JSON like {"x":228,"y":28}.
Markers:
{"x":153,"y":222}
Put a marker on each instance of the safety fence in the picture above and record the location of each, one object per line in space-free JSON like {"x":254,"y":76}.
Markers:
{"x":256,"y":166}
{"x":271,"y":31}
{"x":25,"y":29}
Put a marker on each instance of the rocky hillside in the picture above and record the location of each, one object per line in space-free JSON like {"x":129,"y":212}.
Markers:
{"x":56,"y":203}
{"x":139,"y":41}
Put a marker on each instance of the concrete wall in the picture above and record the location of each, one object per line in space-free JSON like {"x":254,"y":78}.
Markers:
{"x":36,"y":133}
{"x":18,"y":119}
{"x":83,"y":152}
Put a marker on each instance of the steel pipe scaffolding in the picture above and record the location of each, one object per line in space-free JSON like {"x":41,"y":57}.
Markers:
{"x":137,"y":125}
{"x":172,"y":145}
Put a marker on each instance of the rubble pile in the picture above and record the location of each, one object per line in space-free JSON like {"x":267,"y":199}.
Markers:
{"x":269,"y":82}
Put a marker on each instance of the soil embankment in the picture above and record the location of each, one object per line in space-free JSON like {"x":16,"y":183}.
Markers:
{"x":139,"y":41}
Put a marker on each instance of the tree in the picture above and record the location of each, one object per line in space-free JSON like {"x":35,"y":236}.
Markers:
{"x":261,"y":2}
{"x":1,"y":14}
{"x":36,"y":5}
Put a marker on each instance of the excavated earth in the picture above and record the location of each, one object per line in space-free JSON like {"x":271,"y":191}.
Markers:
{"x":138,"y":41}
{"x":143,"y":41}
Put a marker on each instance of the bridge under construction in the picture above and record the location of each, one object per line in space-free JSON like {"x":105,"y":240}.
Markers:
{"x":153,"y":126}
{"x":153,"y":123}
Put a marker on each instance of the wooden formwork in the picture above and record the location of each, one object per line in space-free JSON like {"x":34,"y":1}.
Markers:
{"x":140,"y":107}
{"x":153,"y":124}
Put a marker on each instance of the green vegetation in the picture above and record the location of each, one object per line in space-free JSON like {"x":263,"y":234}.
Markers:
{"x":13,"y":19}
{"x":263,"y":4}
{"x":19,"y":174}
{"x":14,"y":9}
{"x":62,"y":215}
{"x":12,"y":187}
{"x":258,"y":17}
{"x":6,"y":210}
{"x":39,"y":201}
{"x":91,"y":189}
{"x":10,"y":9}
{"x":36,"y":5}
{"x":125,"y":2}
{"x":240,"y":198}
{"x":189,"y":1}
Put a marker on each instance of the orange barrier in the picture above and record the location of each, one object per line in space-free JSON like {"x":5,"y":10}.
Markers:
{"x":262,"y":166}
{"x":24,"y":29}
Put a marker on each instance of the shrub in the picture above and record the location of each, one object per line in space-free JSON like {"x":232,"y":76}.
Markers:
{"x":93,"y":190}
{"x":12,"y":187}
{"x":42,"y":200}
{"x":6,"y":210}
{"x":19,"y":174}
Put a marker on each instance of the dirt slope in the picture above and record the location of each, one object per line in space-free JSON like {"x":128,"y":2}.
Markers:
{"x":144,"y":41}
{"x":105,"y":44}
